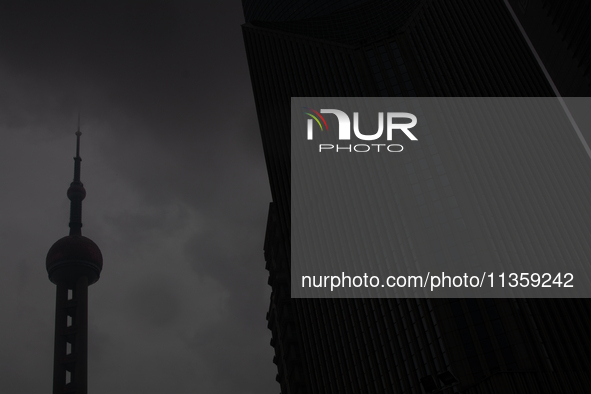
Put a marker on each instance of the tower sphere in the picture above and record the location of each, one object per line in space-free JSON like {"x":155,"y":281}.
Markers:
{"x":72,"y":257}
{"x":76,"y":191}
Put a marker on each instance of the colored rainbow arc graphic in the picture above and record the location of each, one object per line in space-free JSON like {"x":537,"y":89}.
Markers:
{"x":315,"y":118}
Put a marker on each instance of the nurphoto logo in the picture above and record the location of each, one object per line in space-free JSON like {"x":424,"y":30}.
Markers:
{"x":344,"y":133}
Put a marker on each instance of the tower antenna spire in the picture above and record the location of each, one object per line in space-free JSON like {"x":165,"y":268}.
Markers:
{"x":76,"y":191}
{"x":78,"y":134}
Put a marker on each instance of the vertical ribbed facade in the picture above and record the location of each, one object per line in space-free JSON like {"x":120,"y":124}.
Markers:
{"x":405,"y":48}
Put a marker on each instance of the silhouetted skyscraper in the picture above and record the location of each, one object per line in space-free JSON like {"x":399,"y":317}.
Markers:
{"x":409,"y":48}
{"x":73,"y":263}
{"x":559,"y":31}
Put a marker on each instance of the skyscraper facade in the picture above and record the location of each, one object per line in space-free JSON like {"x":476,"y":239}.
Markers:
{"x":560,"y":34}
{"x":407,"y":48}
{"x":73,"y":263}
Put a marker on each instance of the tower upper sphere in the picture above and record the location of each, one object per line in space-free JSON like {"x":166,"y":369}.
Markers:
{"x":74,"y":256}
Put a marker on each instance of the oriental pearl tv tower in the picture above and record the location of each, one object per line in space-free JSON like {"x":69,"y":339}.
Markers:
{"x":73,"y":263}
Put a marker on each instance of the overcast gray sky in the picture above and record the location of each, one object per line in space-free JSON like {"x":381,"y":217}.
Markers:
{"x":177,"y":194}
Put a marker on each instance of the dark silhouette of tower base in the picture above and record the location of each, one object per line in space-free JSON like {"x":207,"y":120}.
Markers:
{"x":73,"y":263}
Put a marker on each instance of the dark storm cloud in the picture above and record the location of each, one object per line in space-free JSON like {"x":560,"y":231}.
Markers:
{"x":155,"y":302}
{"x":166,"y":62}
{"x":74,"y":39}
{"x":177,"y":192}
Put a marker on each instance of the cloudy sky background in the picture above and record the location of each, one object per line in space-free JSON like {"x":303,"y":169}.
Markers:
{"x":177,"y":194}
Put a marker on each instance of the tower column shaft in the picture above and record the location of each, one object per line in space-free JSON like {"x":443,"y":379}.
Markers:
{"x":60,"y":343}
{"x":81,"y":340}
{"x":71,"y":327}
{"x":75,"y":217}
